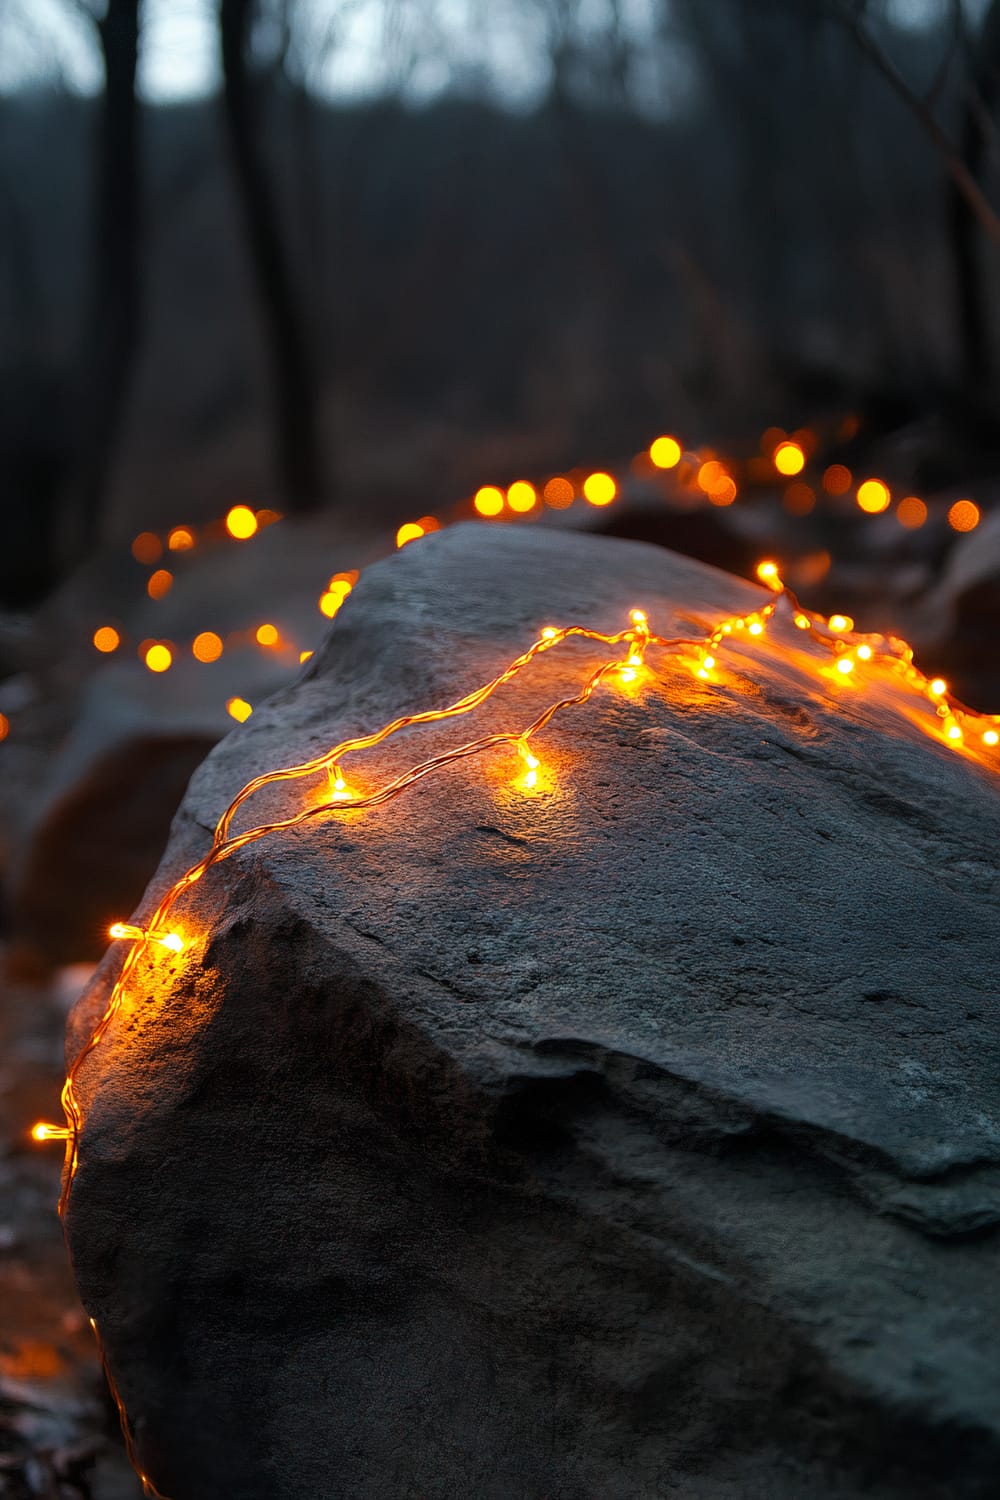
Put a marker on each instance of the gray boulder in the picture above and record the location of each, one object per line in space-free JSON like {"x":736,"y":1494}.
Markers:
{"x":632,"y":1137}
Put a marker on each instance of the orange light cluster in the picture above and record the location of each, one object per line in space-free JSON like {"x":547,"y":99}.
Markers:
{"x":782,"y":454}
{"x":337,"y":590}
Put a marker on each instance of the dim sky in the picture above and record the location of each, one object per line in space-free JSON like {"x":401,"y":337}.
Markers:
{"x":352,"y":49}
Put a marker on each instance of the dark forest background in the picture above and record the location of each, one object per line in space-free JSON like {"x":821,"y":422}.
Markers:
{"x":718,"y":215}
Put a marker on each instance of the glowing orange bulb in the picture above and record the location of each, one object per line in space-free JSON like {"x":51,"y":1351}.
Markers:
{"x":755,"y":627}
{"x":938,"y":686}
{"x":845,"y":665}
{"x":267,"y":635}
{"x":158,"y":657}
{"x":304,"y":656}
{"x":638,"y":616}
{"x":558,"y":493}
{"x":549,"y":633}
{"x":665,"y":452}
{"x":241,"y":522}
{"x":171,"y":940}
{"x":521,"y":496}
{"x":708,"y":662}
{"x":627,"y":675}
{"x":873,"y":496}
{"x":239,"y":709}
{"x":4,"y":726}
{"x":990,"y":737}
{"x":488,"y":501}
{"x":953,"y":732}
{"x":409,"y":533}
{"x":330,"y":602}
{"x":339,"y":585}
{"x":840,"y":623}
{"x":865,"y":653}
{"x":963,"y":516}
{"x":802,"y":622}
{"x":43,"y":1132}
{"x":911,"y":512}
{"x":106,"y":638}
{"x":789,"y":459}
{"x":207,"y":646}
{"x":767,"y":572}
{"x":340,"y":792}
{"x":181,"y":539}
{"x":147,"y":548}
{"x":599,"y":488}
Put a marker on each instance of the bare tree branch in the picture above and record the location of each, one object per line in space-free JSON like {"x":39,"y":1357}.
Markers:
{"x":955,"y":41}
{"x":963,"y":179}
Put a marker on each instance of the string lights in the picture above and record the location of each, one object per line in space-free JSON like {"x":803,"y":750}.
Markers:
{"x":693,"y":475}
{"x":329,"y":793}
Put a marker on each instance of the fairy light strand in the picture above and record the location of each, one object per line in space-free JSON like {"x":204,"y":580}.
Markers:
{"x":958,"y":723}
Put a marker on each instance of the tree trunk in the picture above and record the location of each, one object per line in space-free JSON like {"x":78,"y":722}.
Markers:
{"x":299,"y":459}
{"x":971,"y":293}
{"x":112,"y":325}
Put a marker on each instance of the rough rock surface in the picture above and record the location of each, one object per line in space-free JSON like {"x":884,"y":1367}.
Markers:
{"x":633,"y":1138}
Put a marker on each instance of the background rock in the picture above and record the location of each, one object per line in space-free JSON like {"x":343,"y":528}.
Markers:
{"x":635,"y":1138}
{"x":107,"y":748}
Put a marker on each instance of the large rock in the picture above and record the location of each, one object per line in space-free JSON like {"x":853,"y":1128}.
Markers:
{"x":634,"y":1137}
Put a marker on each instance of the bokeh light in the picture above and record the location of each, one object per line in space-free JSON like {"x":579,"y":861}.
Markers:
{"x":789,"y":458}
{"x":106,"y":639}
{"x":710,"y":475}
{"x":238,"y":709}
{"x":147,"y":548}
{"x":837,"y":479}
{"x":159,"y":584}
{"x":206,"y":646}
{"x":241,"y":522}
{"x":599,"y":488}
{"x":267,"y":635}
{"x":724,"y":492}
{"x":180,"y":539}
{"x":158,"y":657}
{"x":799,"y":499}
{"x":911,"y":512}
{"x":489,"y":500}
{"x":558,"y":493}
{"x":521,"y":497}
{"x":665,"y":452}
{"x":409,"y":532}
{"x":873,"y":496}
{"x":964,"y":516}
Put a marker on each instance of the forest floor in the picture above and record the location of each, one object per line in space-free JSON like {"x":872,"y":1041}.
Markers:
{"x":59,"y":1437}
